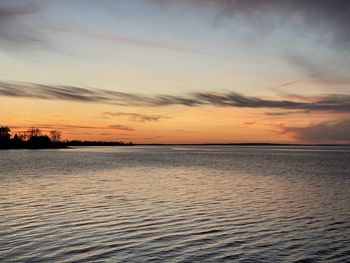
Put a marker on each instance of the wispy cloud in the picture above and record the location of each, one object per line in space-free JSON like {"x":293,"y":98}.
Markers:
{"x":135,"y":116}
{"x":146,"y":43}
{"x":331,"y":102}
{"x":331,"y":72}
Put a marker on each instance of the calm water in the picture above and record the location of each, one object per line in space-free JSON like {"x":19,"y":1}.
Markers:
{"x":175,"y":204}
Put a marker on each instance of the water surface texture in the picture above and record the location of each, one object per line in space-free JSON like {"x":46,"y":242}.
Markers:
{"x":175,"y":204}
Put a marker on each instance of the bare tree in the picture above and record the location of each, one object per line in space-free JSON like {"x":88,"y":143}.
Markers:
{"x":55,"y":135}
{"x":33,"y":132}
{"x":23,"y":135}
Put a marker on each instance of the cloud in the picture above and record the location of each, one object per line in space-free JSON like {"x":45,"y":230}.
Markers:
{"x":328,"y":18}
{"x":135,"y":116}
{"x":331,"y":102}
{"x":325,"y":22}
{"x":335,"y":13}
{"x":15,"y":32}
{"x":324,"y":103}
{"x":120,"y":127}
{"x":326,"y":132}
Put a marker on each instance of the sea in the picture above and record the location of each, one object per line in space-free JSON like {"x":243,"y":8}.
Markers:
{"x":176,"y":204}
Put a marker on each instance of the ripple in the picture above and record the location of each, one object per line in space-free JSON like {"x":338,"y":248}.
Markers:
{"x":176,"y":205}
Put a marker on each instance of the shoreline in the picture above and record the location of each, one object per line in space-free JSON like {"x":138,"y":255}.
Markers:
{"x":177,"y":144}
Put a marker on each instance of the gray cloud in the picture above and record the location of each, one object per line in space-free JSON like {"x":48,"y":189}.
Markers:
{"x":15,"y":32}
{"x":335,"y":12}
{"x":323,"y":17}
{"x":327,"y":132}
{"x":329,"y":102}
{"x":325,"y":21}
{"x":135,"y":116}
{"x":332,"y":102}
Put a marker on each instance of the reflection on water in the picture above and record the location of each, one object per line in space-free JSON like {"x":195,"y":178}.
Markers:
{"x":175,"y":204}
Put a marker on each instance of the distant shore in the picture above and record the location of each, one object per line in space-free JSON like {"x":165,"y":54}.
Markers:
{"x":60,"y":145}
{"x":72,"y":144}
{"x":33,"y":138}
{"x":236,"y":144}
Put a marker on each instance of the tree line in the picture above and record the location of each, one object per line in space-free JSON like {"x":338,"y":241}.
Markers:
{"x":34,"y":138}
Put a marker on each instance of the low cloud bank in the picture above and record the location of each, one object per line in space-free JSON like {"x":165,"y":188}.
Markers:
{"x":326,"y":132}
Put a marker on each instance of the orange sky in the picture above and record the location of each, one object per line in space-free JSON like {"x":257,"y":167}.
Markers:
{"x":174,"y":73}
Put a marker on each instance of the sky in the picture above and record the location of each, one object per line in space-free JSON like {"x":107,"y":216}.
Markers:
{"x":184,"y":71}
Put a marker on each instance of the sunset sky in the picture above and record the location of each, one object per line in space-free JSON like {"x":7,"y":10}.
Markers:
{"x":183,"y":71}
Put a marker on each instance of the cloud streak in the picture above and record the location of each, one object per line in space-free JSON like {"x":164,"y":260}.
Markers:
{"x":121,"y":127}
{"x":328,"y":72}
{"x":141,"y":42}
{"x":332,"y":102}
{"x":136,"y":117}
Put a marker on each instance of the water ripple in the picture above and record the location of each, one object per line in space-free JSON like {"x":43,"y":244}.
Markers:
{"x":188,"y":204}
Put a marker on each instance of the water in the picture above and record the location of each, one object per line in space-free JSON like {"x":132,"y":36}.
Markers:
{"x":175,"y":204}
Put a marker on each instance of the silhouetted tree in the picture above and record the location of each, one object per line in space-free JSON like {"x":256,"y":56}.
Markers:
{"x":33,"y":132}
{"x":32,"y":138}
{"x":5,"y":133}
{"x":17,"y":142}
{"x":39,"y":142}
{"x":55,"y":135}
{"x":23,"y":135}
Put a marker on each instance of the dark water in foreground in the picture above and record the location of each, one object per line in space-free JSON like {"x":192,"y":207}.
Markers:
{"x":175,"y":204}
